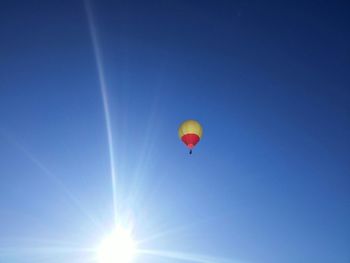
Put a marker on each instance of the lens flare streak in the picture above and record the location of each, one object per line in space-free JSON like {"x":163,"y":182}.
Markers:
{"x":185,"y":256}
{"x":103,"y":88}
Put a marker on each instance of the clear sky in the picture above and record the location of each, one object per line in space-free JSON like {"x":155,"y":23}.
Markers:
{"x":268,"y":80}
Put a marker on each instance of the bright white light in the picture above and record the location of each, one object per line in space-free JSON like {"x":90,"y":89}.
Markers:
{"x":119,"y":247}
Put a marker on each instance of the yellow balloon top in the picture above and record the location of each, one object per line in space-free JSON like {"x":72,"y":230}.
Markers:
{"x":190,"y":127}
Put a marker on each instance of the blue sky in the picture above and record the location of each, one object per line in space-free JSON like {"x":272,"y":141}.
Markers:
{"x":269,"y":81}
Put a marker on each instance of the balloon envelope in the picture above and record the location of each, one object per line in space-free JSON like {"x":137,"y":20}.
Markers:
{"x":190,"y":132}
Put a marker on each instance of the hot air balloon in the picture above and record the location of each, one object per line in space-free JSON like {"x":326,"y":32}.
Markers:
{"x":190,"y":132}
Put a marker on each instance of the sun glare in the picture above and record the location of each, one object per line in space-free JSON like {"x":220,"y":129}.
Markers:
{"x":118,"y":247}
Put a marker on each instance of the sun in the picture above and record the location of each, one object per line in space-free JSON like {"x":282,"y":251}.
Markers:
{"x":118,"y":247}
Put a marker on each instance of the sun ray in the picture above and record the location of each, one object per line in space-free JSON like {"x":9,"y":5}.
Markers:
{"x":36,"y":240}
{"x":55,"y":179}
{"x":40,"y":250}
{"x":105,"y":100}
{"x":189,"y":257}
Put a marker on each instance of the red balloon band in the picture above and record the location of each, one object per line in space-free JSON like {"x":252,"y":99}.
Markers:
{"x":190,"y":139}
